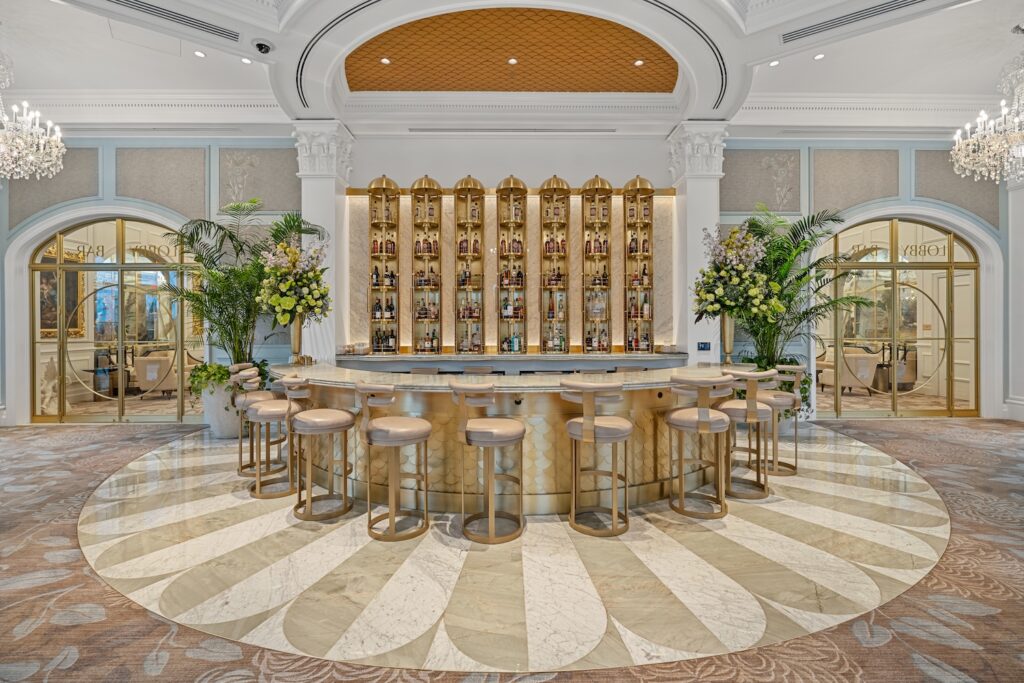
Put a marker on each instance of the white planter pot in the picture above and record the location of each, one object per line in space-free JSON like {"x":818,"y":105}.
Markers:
{"x":218,"y":413}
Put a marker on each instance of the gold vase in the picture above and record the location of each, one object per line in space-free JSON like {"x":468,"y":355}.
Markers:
{"x":728,"y":336}
{"x":296,"y":330}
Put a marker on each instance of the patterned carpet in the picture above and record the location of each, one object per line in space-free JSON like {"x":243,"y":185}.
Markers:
{"x":963,"y":622}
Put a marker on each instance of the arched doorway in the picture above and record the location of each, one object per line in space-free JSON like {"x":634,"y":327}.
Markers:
{"x":915,"y":350}
{"x":108,"y":343}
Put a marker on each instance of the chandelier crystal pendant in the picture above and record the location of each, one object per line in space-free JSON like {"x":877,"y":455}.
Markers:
{"x":27,"y":149}
{"x":993,"y":148}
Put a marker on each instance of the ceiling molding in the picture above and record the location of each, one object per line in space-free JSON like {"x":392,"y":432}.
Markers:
{"x":141,"y":107}
{"x":804,"y":110}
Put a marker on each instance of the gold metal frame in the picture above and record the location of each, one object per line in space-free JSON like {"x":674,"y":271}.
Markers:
{"x":596,"y":196}
{"x":384,"y":223}
{"x":469,"y":197}
{"x":511,"y":195}
{"x":638,"y":195}
{"x":426,"y":220}
{"x":951,"y":267}
{"x":67,"y":262}
{"x":554,"y":222}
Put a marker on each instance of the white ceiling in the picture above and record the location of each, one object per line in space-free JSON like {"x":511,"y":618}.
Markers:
{"x":954,"y":52}
{"x":57,"y":46}
{"x":64,"y":54}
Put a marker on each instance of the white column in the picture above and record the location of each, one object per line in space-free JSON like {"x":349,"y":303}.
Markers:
{"x":324,"y":151}
{"x":696,"y":151}
{"x":1015,"y":289}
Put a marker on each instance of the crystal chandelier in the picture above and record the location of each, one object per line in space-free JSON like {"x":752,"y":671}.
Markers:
{"x":26,"y":148}
{"x":994,"y":148}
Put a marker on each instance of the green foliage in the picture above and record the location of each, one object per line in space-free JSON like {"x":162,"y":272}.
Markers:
{"x":805,"y":283}
{"x":230,"y":272}
{"x":207,"y":376}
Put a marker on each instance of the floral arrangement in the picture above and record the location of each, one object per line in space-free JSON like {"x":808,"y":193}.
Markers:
{"x":294,"y":283}
{"x":730,"y":283}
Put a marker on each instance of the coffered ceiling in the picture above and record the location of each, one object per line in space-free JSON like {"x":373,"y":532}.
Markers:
{"x":554,"y":51}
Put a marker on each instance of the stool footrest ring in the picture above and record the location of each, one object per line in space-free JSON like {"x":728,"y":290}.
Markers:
{"x":299,"y":509}
{"x":398,"y":535}
{"x":584,"y":529}
{"x":492,"y":540}
{"x":264,"y":495}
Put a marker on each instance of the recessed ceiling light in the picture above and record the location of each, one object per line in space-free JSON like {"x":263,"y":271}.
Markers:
{"x":513,"y":60}
{"x":638,"y":62}
{"x":246,"y":60}
{"x":385,"y":60}
{"x":818,"y":57}
{"x":774,"y":62}
{"x":199,"y":53}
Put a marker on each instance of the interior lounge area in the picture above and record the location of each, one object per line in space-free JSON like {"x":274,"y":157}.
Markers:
{"x":495,"y":340}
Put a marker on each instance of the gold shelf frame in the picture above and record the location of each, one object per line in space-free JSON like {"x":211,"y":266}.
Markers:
{"x":638,"y":269}
{"x":469,"y":260}
{"x":596,"y":196}
{"x":553,"y":303}
{"x":384,"y":286}
{"x":512,"y":265}
{"x":427,"y":277}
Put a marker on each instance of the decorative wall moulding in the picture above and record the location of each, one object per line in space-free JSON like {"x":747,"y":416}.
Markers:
{"x":890,"y":111}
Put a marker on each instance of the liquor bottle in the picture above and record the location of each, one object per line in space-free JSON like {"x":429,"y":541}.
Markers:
{"x":504,"y":247}
{"x":588,"y":343}
{"x":557,"y":211}
{"x":517,"y":212}
{"x":435,"y":247}
{"x":604,"y":246}
{"x":375,"y":278}
{"x":417,"y":248}
{"x":433,"y":339}
{"x":593,"y":211}
{"x":589,"y":246}
{"x":631,"y":212}
{"x":551,"y":306}
{"x":646,"y":247}
{"x":647,"y":211}
{"x":646,"y":309}
{"x":476,"y":338}
{"x":563,"y":245}
{"x":378,"y":310}
{"x":392,"y":342}
{"x":632,"y":244}
{"x":375,"y":247}
{"x":476,"y":246}
{"x":604,"y":211}
{"x":430,"y":211}
{"x":644,"y":277}
{"x":604,"y":275}
{"x":547,"y":212}
{"x":474,"y":212}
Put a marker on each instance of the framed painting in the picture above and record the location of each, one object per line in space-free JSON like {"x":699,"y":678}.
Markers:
{"x":74,"y":291}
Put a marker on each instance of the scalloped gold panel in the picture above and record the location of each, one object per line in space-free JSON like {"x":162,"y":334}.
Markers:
{"x":469,"y":51}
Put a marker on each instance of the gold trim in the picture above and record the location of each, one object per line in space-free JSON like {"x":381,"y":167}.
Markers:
{"x":362,"y":191}
{"x":70,"y":258}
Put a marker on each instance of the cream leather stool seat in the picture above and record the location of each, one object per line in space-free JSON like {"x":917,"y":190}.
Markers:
{"x":393,"y":432}
{"x":607,"y":428}
{"x":250,"y":397}
{"x":273,"y":410}
{"x":700,"y":421}
{"x":779,"y":400}
{"x":311,"y":424}
{"x":598,"y":430}
{"x":322,"y":421}
{"x":689,"y":418}
{"x":494,"y":431}
{"x":736,"y":408}
{"x":488,"y":434}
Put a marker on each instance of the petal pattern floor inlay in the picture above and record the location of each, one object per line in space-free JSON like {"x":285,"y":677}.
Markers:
{"x":176,"y":532}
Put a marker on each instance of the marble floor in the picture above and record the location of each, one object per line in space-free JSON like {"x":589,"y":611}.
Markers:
{"x":176,"y":532}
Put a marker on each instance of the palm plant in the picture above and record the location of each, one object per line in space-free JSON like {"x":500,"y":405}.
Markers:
{"x":805,"y":283}
{"x":230,"y":272}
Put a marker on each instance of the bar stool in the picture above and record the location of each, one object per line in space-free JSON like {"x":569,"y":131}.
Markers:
{"x":781,"y":401}
{"x":393,"y":431}
{"x":478,"y":370}
{"x":261,"y":415}
{"x":596,"y":430}
{"x":315,"y":423}
{"x":701,"y":420}
{"x":245,"y":393}
{"x":752,"y":413}
{"x":488,"y":434}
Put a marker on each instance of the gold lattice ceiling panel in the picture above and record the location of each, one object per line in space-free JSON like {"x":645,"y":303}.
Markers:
{"x":469,"y":51}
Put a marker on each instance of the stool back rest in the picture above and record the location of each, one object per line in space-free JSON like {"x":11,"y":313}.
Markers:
{"x":590,"y":395}
{"x":241,"y":379}
{"x":370,"y":396}
{"x":751,"y":382}
{"x":705,"y":390}
{"x":296,"y":388}
{"x":794,"y":374}
{"x":466,"y":396}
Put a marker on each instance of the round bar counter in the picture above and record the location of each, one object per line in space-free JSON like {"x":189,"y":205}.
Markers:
{"x":535,"y":400}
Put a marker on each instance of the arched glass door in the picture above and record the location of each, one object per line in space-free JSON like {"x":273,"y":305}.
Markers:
{"x":914,"y":350}
{"x":108,"y":344}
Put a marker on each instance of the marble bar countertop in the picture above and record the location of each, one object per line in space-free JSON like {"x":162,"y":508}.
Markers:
{"x":325,"y":374}
{"x":514,"y":364}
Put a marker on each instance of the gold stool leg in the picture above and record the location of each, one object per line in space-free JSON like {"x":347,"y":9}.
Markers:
{"x":615,"y":488}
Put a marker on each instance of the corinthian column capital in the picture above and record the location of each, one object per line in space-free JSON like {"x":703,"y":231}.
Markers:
{"x":696,"y":149}
{"x":324,"y":149}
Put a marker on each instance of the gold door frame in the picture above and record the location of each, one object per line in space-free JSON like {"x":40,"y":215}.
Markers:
{"x":950,"y":267}
{"x":62,"y":265}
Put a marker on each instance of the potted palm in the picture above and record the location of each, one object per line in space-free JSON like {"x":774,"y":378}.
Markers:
{"x":803,"y":283}
{"x":229,"y":275}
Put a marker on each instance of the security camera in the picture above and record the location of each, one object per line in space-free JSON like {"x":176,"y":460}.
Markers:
{"x":263,"y":47}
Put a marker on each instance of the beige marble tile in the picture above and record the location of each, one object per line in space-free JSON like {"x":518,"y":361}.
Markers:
{"x":359,"y":267}
{"x":664,"y":271}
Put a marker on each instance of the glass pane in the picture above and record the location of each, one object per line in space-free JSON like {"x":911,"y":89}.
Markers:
{"x":194,"y":347}
{"x":47,"y":253}
{"x":91,"y":358}
{"x":44,"y":302}
{"x":920,"y":358}
{"x":922,"y":244}
{"x":965,"y":374}
{"x":151,"y":344}
{"x":963,"y":253}
{"x":93,"y":243}
{"x":148,"y":243}
{"x":866,"y":243}
{"x":862,"y":374}
{"x":825,"y":354}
